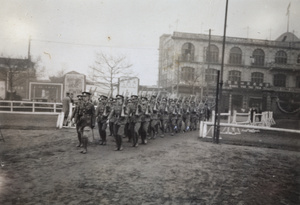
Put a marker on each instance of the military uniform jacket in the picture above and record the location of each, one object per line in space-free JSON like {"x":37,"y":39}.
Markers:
{"x":194,"y":111}
{"x":162,"y":111}
{"x":86,"y":113}
{"x":179,"y":111}
{"x":115,"y":115}
{"x":145,"y":117}
{"x":131,"y":109}
{"x":185,"y":111}
{"x":172,"y":112}
{"x":78,"y":111}
{"x":154,"y":112}
{"x":102,"y":112}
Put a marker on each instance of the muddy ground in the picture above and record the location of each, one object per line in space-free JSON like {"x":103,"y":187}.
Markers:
{"x":45,"y":167}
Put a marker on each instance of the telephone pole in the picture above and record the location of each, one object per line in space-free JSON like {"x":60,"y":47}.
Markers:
{"x":220,"y":82}
{"x":29,"y":44}
{"x":178,"y":77}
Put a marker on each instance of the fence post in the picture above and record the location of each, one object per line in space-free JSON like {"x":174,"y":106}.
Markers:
{"x":201,"y":129}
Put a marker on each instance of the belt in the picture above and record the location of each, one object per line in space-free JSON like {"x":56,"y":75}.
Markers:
{"x":87,"y":114}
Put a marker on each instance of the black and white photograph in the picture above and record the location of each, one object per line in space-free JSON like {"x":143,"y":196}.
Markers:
{"x":149,"y":102}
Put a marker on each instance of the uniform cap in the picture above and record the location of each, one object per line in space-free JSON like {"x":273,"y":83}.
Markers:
{"x":86,"y":93}
{"x":119,"y":96}
{"x":102,"y":97}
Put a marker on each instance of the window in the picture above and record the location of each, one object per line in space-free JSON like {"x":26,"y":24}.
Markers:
{"x":187,"y":74}
{"x":279,"y":80}
{"x":298,"y":82}
{"x":234,"y":75}
{"x":281,"y":57}
{"x":298,"y":59}
{"x":187,"y":52}
{"x":258,"y":57}
{"x":212,"y":54}
{"x":257,"y":78}
{"x":235,"y":56}
{"x":211,"y":75}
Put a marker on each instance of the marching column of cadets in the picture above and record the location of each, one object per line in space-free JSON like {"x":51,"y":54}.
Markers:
{"x":136,"y":118}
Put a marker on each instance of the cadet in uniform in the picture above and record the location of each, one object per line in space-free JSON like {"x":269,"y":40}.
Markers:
{"x":179,"y":115}
{"x":118,"y":115}
{"x":135,"y":123}
{"x":102,"y":113}
{"x":111,"y":122}
{"x":145,"y":119}
{"x":163,"y":116}
{"x":173,"y":117}
{"x":87,"y":120}
{"x":154,"y":123}
{"x":186,"y":115}
{"x":127,"y":130}
{"x":76,"y":116}
{"x":193,"y":116}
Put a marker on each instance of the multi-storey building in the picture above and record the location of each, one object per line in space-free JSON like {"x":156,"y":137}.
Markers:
{"x":260,"y":73}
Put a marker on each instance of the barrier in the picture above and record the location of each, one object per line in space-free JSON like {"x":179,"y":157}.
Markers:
{"x":29,"y":120}
{"x":37,"y":108}
{"x":29,"y":106}
{"x":203,"y":128}
{"x":226,"y":130}
{"x":266,"y":120}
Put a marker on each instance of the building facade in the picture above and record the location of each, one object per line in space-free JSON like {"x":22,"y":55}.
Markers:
{"x":260,"y":73}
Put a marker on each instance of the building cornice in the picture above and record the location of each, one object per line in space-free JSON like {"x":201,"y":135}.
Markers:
{"x":236,"y":41}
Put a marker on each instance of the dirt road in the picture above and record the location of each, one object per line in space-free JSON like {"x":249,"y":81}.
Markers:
{"x":45,"y":167}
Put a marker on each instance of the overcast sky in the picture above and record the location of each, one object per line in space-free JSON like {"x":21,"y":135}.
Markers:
{"x":67,"y":33}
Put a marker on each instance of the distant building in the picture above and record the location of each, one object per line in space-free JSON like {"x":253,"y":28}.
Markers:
{"x":15,"y":75}
{"x":260,"y":73}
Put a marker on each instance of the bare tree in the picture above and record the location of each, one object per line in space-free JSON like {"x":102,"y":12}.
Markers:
{"x":59,"y":76}
{"x":17,"y":72}
{"x":108,"y":68}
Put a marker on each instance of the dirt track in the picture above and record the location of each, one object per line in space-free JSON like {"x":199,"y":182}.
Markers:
{"x":45,"y":167}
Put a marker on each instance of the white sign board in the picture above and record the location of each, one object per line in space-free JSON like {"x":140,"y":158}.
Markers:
{"x":129,"y":86}
{"x":74,"y":83}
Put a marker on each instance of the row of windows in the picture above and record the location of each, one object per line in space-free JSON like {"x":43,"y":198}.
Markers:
{"x":235,"y":56}
{"x":279,"y":80}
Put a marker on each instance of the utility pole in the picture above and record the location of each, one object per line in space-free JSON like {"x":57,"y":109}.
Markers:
{"x":178,"y":77}
{"x":219,"y":96}
{"x":209,"y":59}
{"x":288,"y":15}
{"x":29,"y":44}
